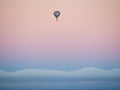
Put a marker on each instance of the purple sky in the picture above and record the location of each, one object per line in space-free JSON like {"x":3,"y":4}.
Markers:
{"x":87,"y":33}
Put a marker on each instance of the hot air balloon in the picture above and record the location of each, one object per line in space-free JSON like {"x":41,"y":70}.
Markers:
{"x":56,"y":14}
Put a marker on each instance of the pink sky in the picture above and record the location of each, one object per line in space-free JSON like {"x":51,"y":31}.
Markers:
{"x":85,"y":28}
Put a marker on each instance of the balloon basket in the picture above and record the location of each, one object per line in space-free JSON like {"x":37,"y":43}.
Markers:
{"x":56,"y":19}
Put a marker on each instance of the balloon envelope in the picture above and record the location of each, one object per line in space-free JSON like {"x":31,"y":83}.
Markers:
{"x":56,"y":14}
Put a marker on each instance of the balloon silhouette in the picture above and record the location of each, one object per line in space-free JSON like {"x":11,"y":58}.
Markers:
{"x":56,"y":14}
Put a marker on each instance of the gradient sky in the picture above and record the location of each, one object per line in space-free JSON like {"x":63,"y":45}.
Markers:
{"x":86,"y":35}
